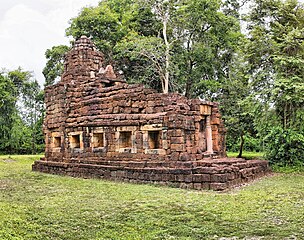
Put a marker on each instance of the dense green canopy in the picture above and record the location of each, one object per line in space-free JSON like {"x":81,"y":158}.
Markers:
{"x":21,"y":113}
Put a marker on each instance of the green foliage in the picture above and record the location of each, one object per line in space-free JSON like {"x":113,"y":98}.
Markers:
{"x":285,"y":147}
{"x":251,"y":143}
{"x":276,"y":56}
{"x":188,"y":43}
{"x":21,"y":113}
{"x":43,"y":206}
{"x":141,"y":54}
{"x":237,"y":109}
{"x":54,"y":65}
{"x":288,"y":169}
{"x":111,"y":21}
{"x":209,"y":37}
{"x":8,"y":101}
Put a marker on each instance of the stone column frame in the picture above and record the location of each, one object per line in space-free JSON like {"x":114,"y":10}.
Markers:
{"x":80,"y":133}
{"x":206,"y":111}
{"x":118,"y":145}
{"x":154,"y":127}
{"x":209,"y":135}
{"x":98,"y":130}
{"x":55,"y":135}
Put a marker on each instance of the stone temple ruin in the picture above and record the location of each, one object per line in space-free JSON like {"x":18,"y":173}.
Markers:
{"x":99,"y":126}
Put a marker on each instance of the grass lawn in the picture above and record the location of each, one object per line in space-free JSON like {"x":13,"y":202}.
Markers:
{"x":248,"y":155}
{"x":42,"y":206}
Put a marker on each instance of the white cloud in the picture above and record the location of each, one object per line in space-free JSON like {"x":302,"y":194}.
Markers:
{"x":29,"y":27}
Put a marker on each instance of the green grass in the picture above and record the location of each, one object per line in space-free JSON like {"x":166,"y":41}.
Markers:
{"x":42,"y":206}
{"x":275,"y":168}
{"x":248,"y":155}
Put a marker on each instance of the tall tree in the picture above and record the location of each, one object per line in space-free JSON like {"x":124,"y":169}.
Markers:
{"x":19,"y":112}
{"x":236,"y":106}
{"x":107,"y":24}
{"x":54,"y":66}
{"x":210,"y":37}
{"x":111,"y":21}
{"x":160,"y":42}
{"x":195,"y":43}
{"x":8,"y":99}
{"x":276,"y":56}
{"x":33,"y":111}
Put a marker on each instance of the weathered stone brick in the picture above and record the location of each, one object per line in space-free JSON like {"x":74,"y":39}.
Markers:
{"x":201,"y":178}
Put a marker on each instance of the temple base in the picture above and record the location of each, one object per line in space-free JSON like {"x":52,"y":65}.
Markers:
{"x":215,"y":174}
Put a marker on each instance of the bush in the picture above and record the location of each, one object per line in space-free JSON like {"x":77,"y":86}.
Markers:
{"x":285,"y":147}
{"x":251,"y":144}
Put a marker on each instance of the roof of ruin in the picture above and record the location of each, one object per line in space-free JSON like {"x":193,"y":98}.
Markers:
{"x":84,"y":43}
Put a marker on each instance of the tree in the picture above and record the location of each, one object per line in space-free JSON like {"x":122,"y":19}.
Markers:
{"x":19,"y":112}
{"x":111,"y":21}
{"x":208,"y":39}
{"x":276,"y":56}
{"x":160,"y":42}
{"x":8,"y":99}
{"x":195,"y":42}
{"x":107,"y":24}
{"x":236,"y":106}
{"x":33,"y":112}
{"x":54,"y":65}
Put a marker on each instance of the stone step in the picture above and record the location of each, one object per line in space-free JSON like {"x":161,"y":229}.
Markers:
{"x":218,"y":177}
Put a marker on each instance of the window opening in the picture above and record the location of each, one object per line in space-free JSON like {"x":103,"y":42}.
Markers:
{"x":98,"y":140}
{"x":154,"y":138}
{"x":125,"y":139}
{"x":57,"y":142}
{"x":109,"y":84}
{"x":75,"y":141}
{"x":202,"y":124}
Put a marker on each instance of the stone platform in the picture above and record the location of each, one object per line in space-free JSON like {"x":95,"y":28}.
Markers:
{"x":214,"y":174}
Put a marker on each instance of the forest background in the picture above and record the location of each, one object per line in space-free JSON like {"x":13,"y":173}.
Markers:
{"x":252,"y":64}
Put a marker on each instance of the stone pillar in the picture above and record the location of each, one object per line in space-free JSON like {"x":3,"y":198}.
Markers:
{"x":209,"y":135}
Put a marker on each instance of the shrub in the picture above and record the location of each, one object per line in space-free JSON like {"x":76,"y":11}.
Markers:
{"x":251,"y":144}
{"x":285,"y":147}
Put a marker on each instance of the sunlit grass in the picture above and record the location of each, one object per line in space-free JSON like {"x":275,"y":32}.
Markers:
{"x":248,"y":155}
{"x":42,"y":206}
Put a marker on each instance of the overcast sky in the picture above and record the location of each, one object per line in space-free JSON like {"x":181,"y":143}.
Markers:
{"x":29,"y":27}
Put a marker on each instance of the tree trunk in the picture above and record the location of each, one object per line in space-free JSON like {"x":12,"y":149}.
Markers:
{"x":167,"y":55}
{"x":188,"y":88}
{"x":241,"y":146}
{"x":189,"y":81}
{"x":285,"y":116}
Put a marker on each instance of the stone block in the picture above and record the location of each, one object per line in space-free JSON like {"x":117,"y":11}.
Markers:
{"x":177,"y":140}
{"x":218,"y":186}
{"x":184,"y":156}
{"x":222,"y":178}
{"x":201,"y":178}
{"x":177,"y":147}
